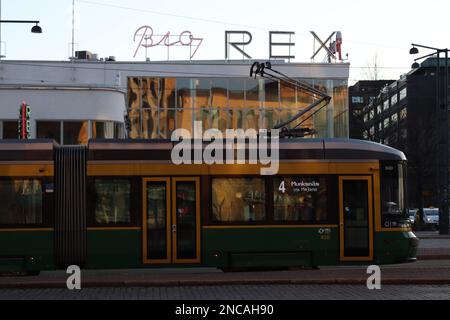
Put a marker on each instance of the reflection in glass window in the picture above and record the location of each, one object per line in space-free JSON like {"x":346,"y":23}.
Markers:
{"x":112,"y":201}
{"x":394,"y":118}
{"x":386,"y":122}
{"x":75,"y":132}
{"x":102,"y":130}
{"x":403,"y":113}
{"x":10,"y":130}
{"x":21,"y":202}
{"x":385,"y":105}
{"x":238,"y":199}
{"x":403,"y":94}
{"x":300,"y":199}
{"x":49,"y":130}
{"x":219,"y":93}
{"x":236,"y":93}
{"x":366,"y":117}
{"x":394,"y":99}
{"x":357,"y":99}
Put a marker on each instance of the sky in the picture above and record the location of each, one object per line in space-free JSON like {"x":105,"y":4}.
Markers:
{"x":376,"y":32}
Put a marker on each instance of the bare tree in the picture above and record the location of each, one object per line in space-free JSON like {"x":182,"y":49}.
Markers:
{"x":372,"y":70}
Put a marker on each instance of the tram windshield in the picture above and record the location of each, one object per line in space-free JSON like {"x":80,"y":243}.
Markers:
{"x":393,"y":188}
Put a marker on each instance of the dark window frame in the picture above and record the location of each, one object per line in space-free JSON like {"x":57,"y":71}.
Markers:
{"x":332,"y":181}
{"x":135,"y":202}
{"x":212,"y":222}
{"x":46,"y":205}
{"x":328,"y":192}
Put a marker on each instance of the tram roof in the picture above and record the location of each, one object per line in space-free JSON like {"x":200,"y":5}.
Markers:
{"x":160,"y":149}
{"x":290,"y":149}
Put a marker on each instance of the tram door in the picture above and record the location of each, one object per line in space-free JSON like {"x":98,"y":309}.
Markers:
{"x":356,"y":218}
{"x":171,"y":220}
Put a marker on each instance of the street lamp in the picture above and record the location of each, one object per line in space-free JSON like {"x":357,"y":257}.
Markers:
{"x":34,"y":29}
{"x":443,"y":129}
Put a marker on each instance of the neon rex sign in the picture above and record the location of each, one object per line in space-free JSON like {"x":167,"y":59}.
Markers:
{"x":147,"y":39}
{"x":280,"y":43}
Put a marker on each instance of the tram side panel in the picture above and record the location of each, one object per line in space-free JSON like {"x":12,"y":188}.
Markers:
{"x":26,"y":211}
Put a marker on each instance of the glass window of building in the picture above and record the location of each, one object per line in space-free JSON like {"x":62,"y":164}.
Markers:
{"x":49,"y":130}
{"x":10,"y":129}
{"x":366,"y":135}
{"x":366,"y":117}
{"x":380,"y":126}
{"x":379,"y":109}
{"x":150,"y":92}
{"x":403,"y":113}
{"x":219,"y":104}
{"x":371,"y":114}
{"x":300,"y":199}
{"x":372,"y":99}
{"x":185,"y":103}
{"x":75,"y":132}
{"x":238,"y":200}
{"x":372,"y":130}
{"x":386,"y":105}
{"x":357,"y":99}
{"x":134,"y":107}
{"x":21,"y":202}
{"x":403,"y":94}
{"x":102,"y":130}
{"x":167,"y":107}
{"x":253,"y":92}
{"x":271,"y":95}
{"x":107,"y":130}
{"x":394,"y":99}
{"x":202,"y":93}
{"x":394,"y":118}
{"x":386,"y":122}
{"x":403,"y":133}
{"x":112,"y":201}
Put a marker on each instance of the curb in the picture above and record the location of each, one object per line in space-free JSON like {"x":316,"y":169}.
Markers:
{"x":434,"y":257}
{"x":197,"y":283}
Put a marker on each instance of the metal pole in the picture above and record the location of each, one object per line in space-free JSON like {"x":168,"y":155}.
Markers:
{"x":73,"y":28}
{"x":444,"y":216}
{"x":0,"y":30}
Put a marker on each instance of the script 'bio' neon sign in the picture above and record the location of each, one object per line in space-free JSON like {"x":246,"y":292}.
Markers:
{"x":146,"y":39}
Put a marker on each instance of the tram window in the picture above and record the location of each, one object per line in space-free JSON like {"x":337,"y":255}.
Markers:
{"x":300,"y":199}
{"x":238,"y":200}
{"x":112,"y":201}
{"x":21,"y":202}
{"x":392,"y":188}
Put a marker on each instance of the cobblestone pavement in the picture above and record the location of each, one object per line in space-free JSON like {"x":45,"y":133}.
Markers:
{"x":238,"y":292}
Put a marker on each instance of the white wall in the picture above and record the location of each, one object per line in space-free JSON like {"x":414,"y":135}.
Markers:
{"x":62,"y":104}
{"x":114,"y":74}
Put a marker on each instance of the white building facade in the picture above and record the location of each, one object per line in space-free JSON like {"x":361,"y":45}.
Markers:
{"x":73,"y":101}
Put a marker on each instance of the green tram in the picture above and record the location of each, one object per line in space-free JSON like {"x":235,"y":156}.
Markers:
{"x":124,"y":204}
